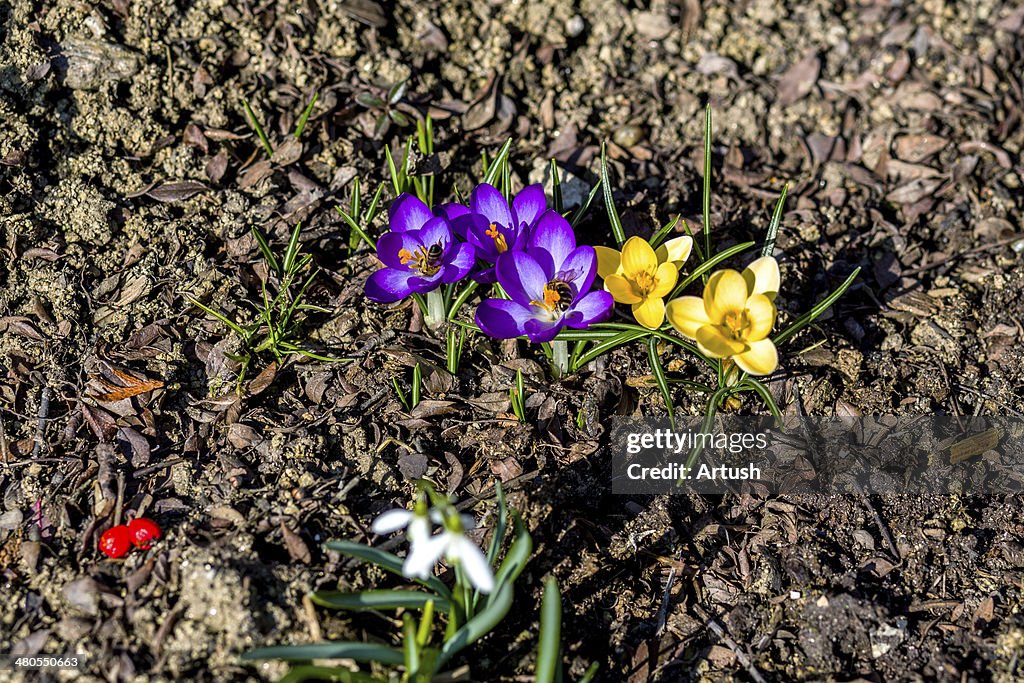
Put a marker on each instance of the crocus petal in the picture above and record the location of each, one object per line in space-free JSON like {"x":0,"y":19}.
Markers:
{"x":675,"y":250}
{"x":473,"y":561}
{"x":451,"y":211}
{"x":541,"y":330}
{"x":622,"y":290}
{"x":486,"y":276}
{"x":665,"y":279}
{"x":725,"y":292}
{"x":579,"y":268}
{"x":486,"y":246}
{"x":423,"y":555}
{"x":391,"y":521}
{"x":760,"y":359}
{"x":593,"y":307}
{"x":521,"y":277}
{"x":529,"y":204}
{"x":650,"y":312}
{"x":761,"y":314}
{"x":391,"y":244}
{"x":420,"y":284}
{"x":762,"y":277}
{"x":408,"y":212}
{"x":458,"y":262}
{"x":388,"y":285}
{"x":713,"y":341}
{"x":462,"y":223}
{"x":608,"y":261}
{"x":501,"y":318}
{"x":435,"y":231}
{"x":487,"y":201}
{"x":638,"y":257}
{"x":551,"y":241}
{"x":687,"y":315}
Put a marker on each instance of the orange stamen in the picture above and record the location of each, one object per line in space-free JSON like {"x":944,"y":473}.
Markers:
{"x":499,"y":240}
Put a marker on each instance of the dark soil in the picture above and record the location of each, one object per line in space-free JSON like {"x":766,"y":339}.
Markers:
{"x":129,"y":180}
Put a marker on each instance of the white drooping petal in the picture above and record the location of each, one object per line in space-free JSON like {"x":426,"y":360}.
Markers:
{"x":473,"y":561}
{"x":391,"y":521}
{"x":419,"y":529}
{"x":468,"y":522}
{"x":423,"y":555}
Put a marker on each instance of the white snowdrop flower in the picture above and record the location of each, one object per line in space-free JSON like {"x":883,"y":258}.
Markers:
{"x":416,"y":524}
{"x":453,"y":545}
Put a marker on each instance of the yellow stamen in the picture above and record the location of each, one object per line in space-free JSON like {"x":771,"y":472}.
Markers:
{"x":499,"y":240}
{"x":551,"y":299}
{"x":421,"y":260}
{"x":736,"y":322}
{"x":644,"y":282}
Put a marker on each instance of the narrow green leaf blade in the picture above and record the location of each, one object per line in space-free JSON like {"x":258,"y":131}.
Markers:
{"x":480,"y":625}
{"x":609,"y":203}
{"x":659,"y":376}
{"x":385,"y":560}
{"x":494,"y":168}
{"x":549,"y":660}
{"x":378,"y":600}
{"x":773,"y":227}
{"x":812,"y":315}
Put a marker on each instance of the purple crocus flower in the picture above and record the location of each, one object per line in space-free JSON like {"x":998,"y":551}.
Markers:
{"x":419,"y":259}
{"x":549,"y":285}
{"x":493,"y":226}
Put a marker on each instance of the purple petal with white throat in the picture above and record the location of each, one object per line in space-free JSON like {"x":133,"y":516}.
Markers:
{"x":541,"y":330}
{"x":501,"y":318}
{"x":435,"y":231}
{"x":551,"y":241}
{"x":521,"y":277}
{"x":580,"y":267}
{"x":593,"y":307}
{"x":408,"y":212}
{"x":487,"y":201}
{"x":461,"y":259}
{"x":391,"y":243}
{"x":388,"y":285}
{"x":529,"y":204}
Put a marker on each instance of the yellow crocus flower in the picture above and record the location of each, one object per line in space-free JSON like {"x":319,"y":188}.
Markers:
{"x":642,"y":276}
{"x":735,"y":316}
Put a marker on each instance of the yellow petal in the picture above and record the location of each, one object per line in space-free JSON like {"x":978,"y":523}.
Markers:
{"x":665,"y":279}
{"x":620,"y":289}
{"x":687,"y":315}
{"x":725,"y":292}
{"x":761,"y":314}
{"x":760,"y":359}
{"x":714,"y":342}
{"x":638,"y":257}
{"x":762,"y":277}
{"x":675,"y":250}
{"x":650,"y":312}
{"x":607,"y":261}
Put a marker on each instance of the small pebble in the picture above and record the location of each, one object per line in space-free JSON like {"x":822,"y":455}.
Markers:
{"x":795,"y":595}
{"x":575,"y":26}
{"x":628,"y":135}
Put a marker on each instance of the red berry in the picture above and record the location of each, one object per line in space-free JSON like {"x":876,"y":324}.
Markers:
{"x":115,"y":541}
{"x":143,"y":532}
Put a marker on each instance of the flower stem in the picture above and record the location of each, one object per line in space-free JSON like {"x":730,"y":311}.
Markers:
{"x":434,"y":315}
{"x":559,"y":358}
